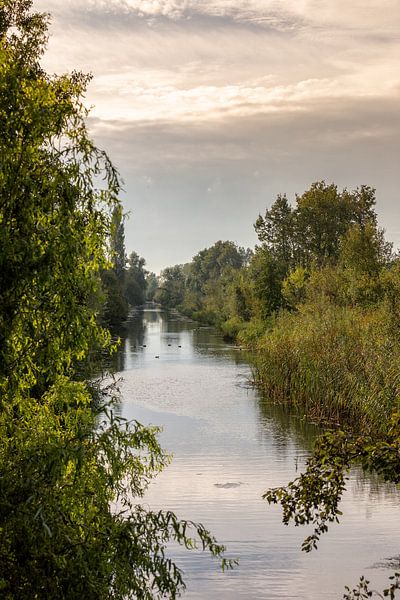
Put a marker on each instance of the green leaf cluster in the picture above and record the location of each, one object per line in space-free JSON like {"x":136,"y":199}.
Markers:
{"x":72,"y":475}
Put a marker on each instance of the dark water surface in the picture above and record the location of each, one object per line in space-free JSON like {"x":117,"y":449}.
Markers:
{"x":229,"y":446}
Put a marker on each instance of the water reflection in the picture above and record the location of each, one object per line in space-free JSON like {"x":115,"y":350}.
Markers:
{"x":229,"y":445}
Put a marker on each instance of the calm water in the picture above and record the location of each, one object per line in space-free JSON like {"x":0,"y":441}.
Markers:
{"x":229,"y":446}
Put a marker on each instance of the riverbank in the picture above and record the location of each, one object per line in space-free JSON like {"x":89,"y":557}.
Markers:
{"x":337,"y":365}
{"x":229,"y":444}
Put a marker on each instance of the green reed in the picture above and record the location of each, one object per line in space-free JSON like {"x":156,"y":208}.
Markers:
{"x":333,"y":364}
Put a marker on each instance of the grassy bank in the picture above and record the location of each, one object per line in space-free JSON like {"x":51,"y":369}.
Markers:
{"x":334,"y":364}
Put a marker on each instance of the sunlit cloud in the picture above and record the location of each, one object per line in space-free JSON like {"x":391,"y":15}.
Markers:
{"x":127,"y":98}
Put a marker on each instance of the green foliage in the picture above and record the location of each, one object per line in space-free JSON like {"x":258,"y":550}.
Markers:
{"x":171,"y":288}
{"x":71,"y":475}
{"x":60,"y":536}
{"x":363,"y":590}
{"x":125,"y":282}
{"x":364,"y":254}
{"x":337,"y":364}
{"x":294,"y":287}
{"x":135,"y":280}
{"x":333,"y":363}
{"x":151,"y":286}
{"x":326,"y":248}
{"x":277,"y":231}
{"x":266,"y":275}
{"x":314,"y":497}
{"x":115,"y":307}
{"x":323,"y":215}
{"x":113,"y":279}
{"x":117,"y":242}
{"x":53,"y":219}
{"x":328,"y":283}
{"x":212,"y":263}
{"x":251,"y":332}
{"x":231,"y":328}
{"x":364,"y":249}
{"x":201,"y":288}
{"x":310,"y":233}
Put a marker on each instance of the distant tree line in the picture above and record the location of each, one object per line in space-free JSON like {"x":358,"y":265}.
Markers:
{"x":126,"y":282}
{"x":200,"y":288}
{"x":329,"y":238}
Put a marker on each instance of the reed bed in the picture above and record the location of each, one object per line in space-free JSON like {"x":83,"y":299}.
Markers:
{"x":337,"y":365}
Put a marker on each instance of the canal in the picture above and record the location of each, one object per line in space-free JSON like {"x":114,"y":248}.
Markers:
{"x":229,"y":445}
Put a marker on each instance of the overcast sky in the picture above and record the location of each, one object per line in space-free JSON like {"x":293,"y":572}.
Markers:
{"x":211,"y":108}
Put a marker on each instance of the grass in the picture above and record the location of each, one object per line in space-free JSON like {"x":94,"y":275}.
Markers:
{"x":334,"y":364}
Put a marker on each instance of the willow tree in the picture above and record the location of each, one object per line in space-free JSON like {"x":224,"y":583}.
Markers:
{"x":71,"y":474}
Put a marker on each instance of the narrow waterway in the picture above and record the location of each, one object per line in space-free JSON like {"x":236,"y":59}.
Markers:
{"x":229,"y":446}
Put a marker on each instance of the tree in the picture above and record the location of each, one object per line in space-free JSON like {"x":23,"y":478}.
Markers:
{"x":171,"y":289}
{"x":117,"y":242}
{"x":323,"y":215}
{"x":151,"y":286}
{"x":277,"y":231}
{"x":311,"y":233}
{"x":266,"y":274}
{"x":115,"y":309}
{"x":363,"y":202}
{"x":314,"y":497}
{"x":294,"y":287}
{"x":363,"y":249}
{"x":115,"y":306}
{"x":71,"y":473}
{"x":241,"y":296}
{"x":211,"y":263}
{"x":135,"y":280}
{"x":208,"y":280}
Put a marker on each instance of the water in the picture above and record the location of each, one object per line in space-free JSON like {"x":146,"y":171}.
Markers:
{"x":229,"y":446}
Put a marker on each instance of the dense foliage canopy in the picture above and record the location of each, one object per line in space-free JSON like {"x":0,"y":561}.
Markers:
{"x":71,"y":473}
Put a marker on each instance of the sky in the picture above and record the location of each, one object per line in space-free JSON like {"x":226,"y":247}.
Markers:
{"x":209,"y":109}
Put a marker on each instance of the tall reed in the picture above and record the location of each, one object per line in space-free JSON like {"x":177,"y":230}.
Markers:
{"x":334,"y":364}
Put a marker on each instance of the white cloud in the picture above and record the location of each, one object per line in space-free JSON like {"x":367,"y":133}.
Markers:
{"x":377,"y":15}
{"x":186,"y":71}
{"x":125,"y":97}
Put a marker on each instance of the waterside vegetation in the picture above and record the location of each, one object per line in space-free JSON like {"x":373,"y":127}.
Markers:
{"x":72,"y":473}
{"x":318,"y":303}
{"x":125,"y":282}
{"x":317,"y":300}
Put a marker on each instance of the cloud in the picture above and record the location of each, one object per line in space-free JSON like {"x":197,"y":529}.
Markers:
{"x":204,"y":182}
{"x":284,"y":15}
{"x":211,"y":107}
{"x":133,"y":99}
{"x":324,"y":127}
{"x":187,"y":70}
